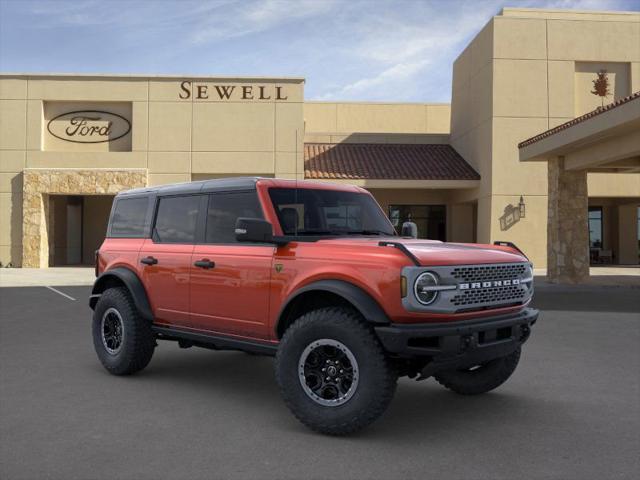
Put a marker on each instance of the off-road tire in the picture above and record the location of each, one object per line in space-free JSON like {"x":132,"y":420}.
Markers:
{"x":377,"y":376}
{"x":482,"y":379}
{"x":138,"y":341}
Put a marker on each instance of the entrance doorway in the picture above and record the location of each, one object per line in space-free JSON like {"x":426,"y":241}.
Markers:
{"x":430,"y":220}
{"x":79,"y":227}
{"x":614,"y":231}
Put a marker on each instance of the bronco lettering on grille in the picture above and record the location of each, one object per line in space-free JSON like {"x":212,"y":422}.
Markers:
{"x":494,"y":283}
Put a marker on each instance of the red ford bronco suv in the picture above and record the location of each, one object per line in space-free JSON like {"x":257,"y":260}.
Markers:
{"x":314,"y":274}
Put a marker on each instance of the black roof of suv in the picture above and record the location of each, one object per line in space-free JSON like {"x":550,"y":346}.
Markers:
{"x":234,"y":183}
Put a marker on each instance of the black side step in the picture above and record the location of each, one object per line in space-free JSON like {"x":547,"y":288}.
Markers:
{"x":213,"y":341}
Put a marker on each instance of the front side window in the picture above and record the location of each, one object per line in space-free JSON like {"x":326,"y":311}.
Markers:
{"x":328,"y":212}
{"x":129,"y":216}
{"x":224,"y":209}
{"x":176,"y":219}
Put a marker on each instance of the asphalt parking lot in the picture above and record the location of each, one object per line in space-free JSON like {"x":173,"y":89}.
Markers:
{"x":571,"y":410}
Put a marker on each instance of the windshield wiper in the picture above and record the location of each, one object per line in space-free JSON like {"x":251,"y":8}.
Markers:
{"x":315,"y":232}
{"x":368,"y":232}
{"x":343,"y":232}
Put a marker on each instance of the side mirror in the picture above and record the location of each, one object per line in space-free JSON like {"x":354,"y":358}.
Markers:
{"x":253,"y":230}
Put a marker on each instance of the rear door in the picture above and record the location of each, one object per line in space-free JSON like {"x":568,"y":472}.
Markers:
{"x":165,"y":258}
{"x":230,"y":281}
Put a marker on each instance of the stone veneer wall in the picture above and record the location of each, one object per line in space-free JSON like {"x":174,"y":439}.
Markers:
{"x":568,"y":229}
{"x":38,"y":222}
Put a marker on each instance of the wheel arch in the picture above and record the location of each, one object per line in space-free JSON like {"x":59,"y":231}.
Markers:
{"x":123,"y":277}
{"x":329,"y":293}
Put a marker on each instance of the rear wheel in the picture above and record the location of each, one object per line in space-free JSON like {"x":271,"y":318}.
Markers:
{"x":332,"y":372}
{"x":122,"y":339}
{"x":480,"y":378}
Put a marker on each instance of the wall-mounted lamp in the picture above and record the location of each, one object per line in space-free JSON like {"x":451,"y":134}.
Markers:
{"x":522,"y":207}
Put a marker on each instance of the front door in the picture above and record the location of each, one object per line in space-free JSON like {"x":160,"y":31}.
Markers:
{"x":165,"y":259}
{"x":230,"y":281}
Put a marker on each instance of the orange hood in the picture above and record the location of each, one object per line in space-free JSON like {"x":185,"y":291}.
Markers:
{"x":433,"y":252}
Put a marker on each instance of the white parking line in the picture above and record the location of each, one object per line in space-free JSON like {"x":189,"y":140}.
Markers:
{"x":60,"y":293}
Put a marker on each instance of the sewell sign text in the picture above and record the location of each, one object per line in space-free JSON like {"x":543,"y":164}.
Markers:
{"x":218,"y":92}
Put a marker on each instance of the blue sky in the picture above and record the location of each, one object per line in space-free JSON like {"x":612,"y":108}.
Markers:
{"x":347,"y":50}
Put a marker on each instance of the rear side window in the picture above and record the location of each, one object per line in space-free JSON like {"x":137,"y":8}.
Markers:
{"x":224,"y":210}
{"x":129,"y":216}
{"x":176,"y":219}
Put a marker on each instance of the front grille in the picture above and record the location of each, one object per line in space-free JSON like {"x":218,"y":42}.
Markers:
{"x":468,"y":288}
{"x":478,"y":273}
{"x":490,"y":295}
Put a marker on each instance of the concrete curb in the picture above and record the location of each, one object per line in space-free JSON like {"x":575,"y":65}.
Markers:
{"x":42,"y":277}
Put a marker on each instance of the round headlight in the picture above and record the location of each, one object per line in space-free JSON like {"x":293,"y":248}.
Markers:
{"x":422,"y":290}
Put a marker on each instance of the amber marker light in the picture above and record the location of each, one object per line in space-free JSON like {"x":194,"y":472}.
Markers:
{"x":403,"y":286}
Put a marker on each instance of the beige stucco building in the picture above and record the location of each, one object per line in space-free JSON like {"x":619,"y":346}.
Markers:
{"x":68,"y":143}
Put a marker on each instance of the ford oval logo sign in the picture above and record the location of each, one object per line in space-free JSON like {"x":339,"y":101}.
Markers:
{"x":89,"y":126}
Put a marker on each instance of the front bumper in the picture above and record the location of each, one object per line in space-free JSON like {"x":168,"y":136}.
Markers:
{"x":447,"y":346}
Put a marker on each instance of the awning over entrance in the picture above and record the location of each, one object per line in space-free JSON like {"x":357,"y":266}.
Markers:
{"x":392,"y":163}
{"x":604,"y":140}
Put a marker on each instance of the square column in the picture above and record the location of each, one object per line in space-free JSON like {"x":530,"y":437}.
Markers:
{"x":568,"y":228}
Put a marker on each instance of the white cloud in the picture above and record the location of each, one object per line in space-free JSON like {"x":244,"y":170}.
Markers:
{"x":70,"y":14}
{"x":398,"y":47}
{"x":244,"y":18}
{"x":391,"y":76}
{"x":89,"y":13}
{"x":583,"y":4}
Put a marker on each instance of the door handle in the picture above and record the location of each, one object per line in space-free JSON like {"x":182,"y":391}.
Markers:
{"x":149,"y":260}
{"x":204,"y":263}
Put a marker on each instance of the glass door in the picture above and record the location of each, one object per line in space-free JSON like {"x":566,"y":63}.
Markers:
{"x":595,"y":227}
{"x":595,"y":235}
{"x":430,"y":220}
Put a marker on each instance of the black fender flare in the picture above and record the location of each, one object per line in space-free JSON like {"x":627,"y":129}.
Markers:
{"x":133,"y":284}
{"x":356,"y":296}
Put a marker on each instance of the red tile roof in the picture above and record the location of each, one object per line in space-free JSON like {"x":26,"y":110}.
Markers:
{"x":579,"y":119}
{"x":385,"y":161}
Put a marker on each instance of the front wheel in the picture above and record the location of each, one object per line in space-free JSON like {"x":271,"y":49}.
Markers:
{"x":481,"y":378}
{"x":332,"y":372}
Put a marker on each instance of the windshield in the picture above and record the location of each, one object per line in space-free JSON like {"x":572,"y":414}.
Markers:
{"x":305,"y":211}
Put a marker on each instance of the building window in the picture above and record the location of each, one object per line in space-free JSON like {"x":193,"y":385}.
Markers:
{"x":595,"y":227}
{"x":430,"y":220}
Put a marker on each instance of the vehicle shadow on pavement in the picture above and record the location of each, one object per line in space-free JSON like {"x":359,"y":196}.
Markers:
{"x":426,"y":409}
{"x":231,"y":376}
{"x":233,"y":380}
